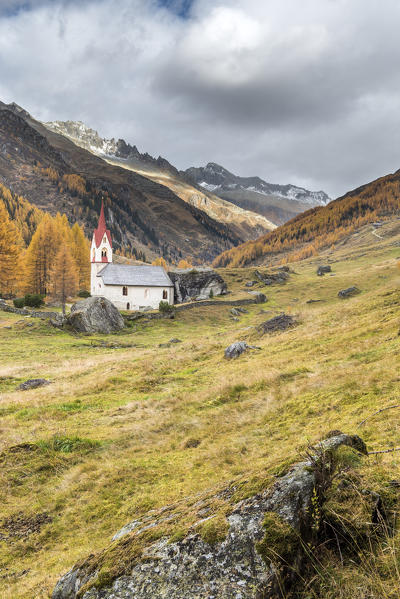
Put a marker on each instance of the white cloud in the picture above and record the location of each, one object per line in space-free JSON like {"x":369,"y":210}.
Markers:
{"x":305,"y":92}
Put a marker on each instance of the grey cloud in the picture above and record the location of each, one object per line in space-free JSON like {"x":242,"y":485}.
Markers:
{"x":294,"y":92}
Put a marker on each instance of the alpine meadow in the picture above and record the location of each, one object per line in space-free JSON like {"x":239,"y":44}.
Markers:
{"x":199,"y":300}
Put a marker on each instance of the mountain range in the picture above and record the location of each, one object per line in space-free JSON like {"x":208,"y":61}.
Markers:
{"x":200,"y":186}
{"x":146,"y":217}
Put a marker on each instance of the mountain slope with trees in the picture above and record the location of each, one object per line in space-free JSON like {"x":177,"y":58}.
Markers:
{"x":146,"y":219}
{"x":321,"y":227}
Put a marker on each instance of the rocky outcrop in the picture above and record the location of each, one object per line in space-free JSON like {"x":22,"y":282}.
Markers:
{"x":95,"y":315}
{"x":197,"y":284}
{"x":349,"y":292}
{"x":264,"y":533}
{"x":259,"y":298}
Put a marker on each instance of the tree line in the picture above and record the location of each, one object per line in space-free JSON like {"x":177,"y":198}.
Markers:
{"x":40,"y":254}
{"x":320,"y":227}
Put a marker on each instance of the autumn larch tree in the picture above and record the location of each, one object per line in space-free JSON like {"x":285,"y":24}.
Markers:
{"x":63,"y":276}
{"x":10,"y":249}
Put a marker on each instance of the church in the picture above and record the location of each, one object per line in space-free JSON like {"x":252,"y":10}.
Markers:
{"x":128,"y":287}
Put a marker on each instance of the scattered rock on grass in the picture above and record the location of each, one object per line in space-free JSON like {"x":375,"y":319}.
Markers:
{"x":236,"y":349}
{"x":260,"y":298}
{"x":349,"y":292}
{"x":323,"y":269}
{"x":278,"y":323}
{"x":250,"y":283}
{"x":33,"y":384}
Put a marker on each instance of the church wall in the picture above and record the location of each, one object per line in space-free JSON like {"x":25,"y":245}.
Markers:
{"x":138,"y":296}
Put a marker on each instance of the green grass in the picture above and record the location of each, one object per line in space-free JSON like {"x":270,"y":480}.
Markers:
{"x":121,"y":431}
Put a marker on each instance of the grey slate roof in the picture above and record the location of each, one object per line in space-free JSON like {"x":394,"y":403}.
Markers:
{"x":125,"y":274}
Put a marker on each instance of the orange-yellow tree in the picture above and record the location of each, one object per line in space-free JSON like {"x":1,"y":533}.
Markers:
{"x":63,"y":276}
{"x":80,"y":251}
{"x":184,"y":264}
{"x":10,"y":248}
{"x":159,"y":262}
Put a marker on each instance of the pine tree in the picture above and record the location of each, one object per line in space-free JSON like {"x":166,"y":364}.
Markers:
{"x":10,"y":248}
{"x":63,"y":276}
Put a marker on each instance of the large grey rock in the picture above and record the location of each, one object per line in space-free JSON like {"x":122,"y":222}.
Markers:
{"x":269,"y":278}
{"x":259,"y":298}
{"x":196,"y":284}
{"x":236,"y":349}
{"x":230,"y":569}
{"x":277,"y":323}
{"x":323,"y":270}
{"x":33,"y":384}
{"x":95,"y":315}
{"x":349,"y":292}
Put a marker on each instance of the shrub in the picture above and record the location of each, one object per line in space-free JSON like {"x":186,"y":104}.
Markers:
{"x":165,"y":307}
{"x":34,"y":300}
{"x":211,"y":294}
{"x":83,"y":293}
{"x":19,"y":302}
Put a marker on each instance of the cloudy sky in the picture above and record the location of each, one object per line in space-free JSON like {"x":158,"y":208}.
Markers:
{"x":299,"y":91}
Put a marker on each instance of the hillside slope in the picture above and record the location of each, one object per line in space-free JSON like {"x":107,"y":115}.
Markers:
{"x":247,"y":224}
{"x":127,"y":426}
{"x":321,"y":226}
{"x":54,"y":174}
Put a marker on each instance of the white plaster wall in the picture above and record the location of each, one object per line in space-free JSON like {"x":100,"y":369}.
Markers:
{"x":137,"y":295}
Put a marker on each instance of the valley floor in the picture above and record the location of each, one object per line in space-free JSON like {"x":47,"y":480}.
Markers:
{"x":126,"y":429}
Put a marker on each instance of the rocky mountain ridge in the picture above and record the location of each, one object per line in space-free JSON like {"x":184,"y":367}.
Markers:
{"x":216,"y":178}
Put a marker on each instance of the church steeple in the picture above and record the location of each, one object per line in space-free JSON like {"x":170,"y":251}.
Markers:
{"x":102,"y":234}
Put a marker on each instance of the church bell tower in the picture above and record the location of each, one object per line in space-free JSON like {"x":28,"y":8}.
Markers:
{"x":100,"y":251}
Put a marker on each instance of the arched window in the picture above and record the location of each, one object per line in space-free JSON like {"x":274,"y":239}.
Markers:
{"x":146,"y":293}
{"x":124,"y":290}
{"x":165,"y":294}
{"x":104,"y":253}
{"x":128,"y":306}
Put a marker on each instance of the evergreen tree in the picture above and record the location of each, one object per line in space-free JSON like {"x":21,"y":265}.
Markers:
{"x":63,"y":276}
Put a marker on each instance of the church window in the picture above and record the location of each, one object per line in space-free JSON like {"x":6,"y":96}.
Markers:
{"x":146,"y":293}
{"x":104,"y":253}
{"x":165,"y":294}
{"x":128,"y":306}
{"x":94,"y":254}
{"x":124,"y":290}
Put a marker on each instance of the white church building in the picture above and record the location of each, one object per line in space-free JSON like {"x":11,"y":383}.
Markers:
{"x":128,"y":287}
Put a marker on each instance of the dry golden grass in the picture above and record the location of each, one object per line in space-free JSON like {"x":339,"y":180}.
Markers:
{"x":112,"y":434}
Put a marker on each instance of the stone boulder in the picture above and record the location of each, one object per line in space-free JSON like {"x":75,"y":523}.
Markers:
{"x":259,"y":298}
{"x":323,"y":270}
{"x":282,"y":322}
{"x":270,"y":278}
{"x":33,"y":384}
{"x":190,"y":283}
{"x":236,"y":349}
{"x":95,"y":315}
{"x":349,"y":292}
{"x":257,"y":557}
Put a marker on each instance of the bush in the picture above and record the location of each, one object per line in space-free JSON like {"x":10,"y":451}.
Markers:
{"x":34,"y":300}
{"x":84,"y":293}
{"x":19,"y":302}
{"x":165,"y":307}
{"x":211,"y":294}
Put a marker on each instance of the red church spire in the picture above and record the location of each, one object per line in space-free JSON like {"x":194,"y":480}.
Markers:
{"x":102,"y":228}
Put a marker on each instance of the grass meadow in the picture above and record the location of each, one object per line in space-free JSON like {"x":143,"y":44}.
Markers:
{"x":131,"y":428}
